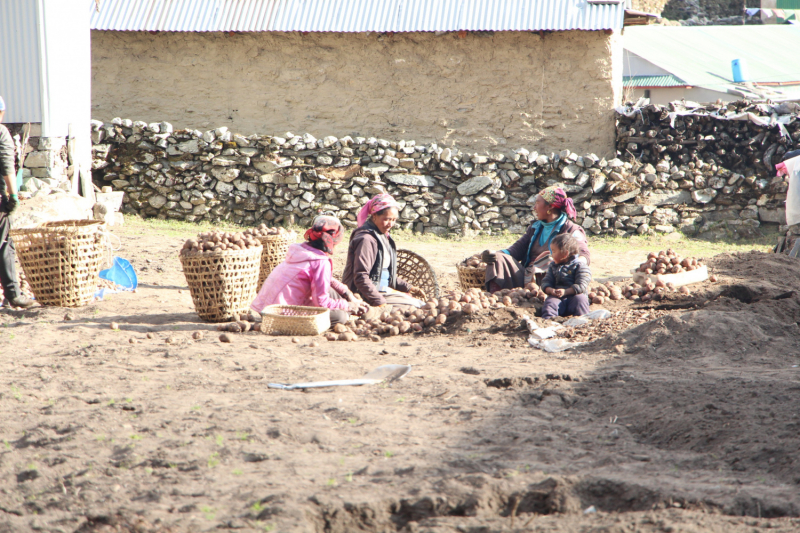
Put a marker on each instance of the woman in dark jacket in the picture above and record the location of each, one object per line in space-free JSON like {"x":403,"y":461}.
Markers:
{"x":371,"y":268}
{"x":517,"y":265}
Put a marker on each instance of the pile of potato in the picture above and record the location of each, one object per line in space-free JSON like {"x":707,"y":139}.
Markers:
{"x":220,"y":241}
{"x":264,"y":231}
{"x":668,"y":262}
{"x":474,"y":262}
{"x":435,"y":313}
{"x":241,"y":324}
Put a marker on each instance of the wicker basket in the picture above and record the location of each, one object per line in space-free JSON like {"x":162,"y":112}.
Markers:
{"x":61,"y":260}
{"x":295,"y":320}
{"x":275,"y":248}
{"x":471,"y":277}
{"x":415,"y":269}
{"x":222,"y":283}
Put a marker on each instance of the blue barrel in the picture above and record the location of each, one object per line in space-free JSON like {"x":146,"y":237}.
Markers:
{"x":740,"y":73}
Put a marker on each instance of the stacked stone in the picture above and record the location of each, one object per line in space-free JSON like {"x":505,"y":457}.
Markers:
{"x":287,"y":179}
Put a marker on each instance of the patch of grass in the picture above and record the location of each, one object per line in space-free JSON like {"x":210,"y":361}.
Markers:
{"x":220,"y":440}
{"x":388,"y":454}
{"x":237,"y":472}
{"x":16,"y":393}
{"x":136,"y":437}
{"x":331,"y":482}
{"x":242,"y":435}
{"x":213,"y":460}
{"x":257,"y":507}
{"x":208,"y":512}
{"x":349,"y":477}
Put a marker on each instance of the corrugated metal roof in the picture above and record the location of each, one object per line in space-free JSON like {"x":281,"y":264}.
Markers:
{"x":702,"y":55}
{"x":665,"y":80}
{"x":355,"y":15}
{"x":19,"y":68}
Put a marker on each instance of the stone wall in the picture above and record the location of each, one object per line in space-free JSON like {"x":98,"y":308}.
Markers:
{"x":218,"y":175}
{"x":46,"y":165}
{"x":487,"y":90}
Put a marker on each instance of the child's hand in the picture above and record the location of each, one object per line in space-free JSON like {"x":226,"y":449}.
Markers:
{"x":558,"y":293}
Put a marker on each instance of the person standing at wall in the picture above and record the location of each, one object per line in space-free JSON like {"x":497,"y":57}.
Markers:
{"x":8,"y":203}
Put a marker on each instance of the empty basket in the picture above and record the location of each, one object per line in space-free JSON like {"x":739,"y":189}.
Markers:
{"x":222,"y":283}
{"x":61,"y":260}
{"x":295,"y":320}
{"x":418,"y":272}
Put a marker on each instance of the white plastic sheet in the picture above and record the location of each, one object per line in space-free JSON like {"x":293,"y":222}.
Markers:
{"x":793,"y":193}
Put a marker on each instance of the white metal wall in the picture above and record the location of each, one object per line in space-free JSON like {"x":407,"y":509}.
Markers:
{"x":20,"y":84}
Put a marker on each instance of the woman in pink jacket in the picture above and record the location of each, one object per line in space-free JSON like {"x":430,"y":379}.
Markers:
{"x":305,"y":276}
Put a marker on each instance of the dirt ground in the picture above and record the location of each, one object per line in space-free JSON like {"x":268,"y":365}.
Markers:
{"x":686,"y":422}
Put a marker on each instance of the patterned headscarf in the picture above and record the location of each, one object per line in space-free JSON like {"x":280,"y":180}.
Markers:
{"x":326,"y":229}
{"x":378,"y":203}
{"x":556,"y":197}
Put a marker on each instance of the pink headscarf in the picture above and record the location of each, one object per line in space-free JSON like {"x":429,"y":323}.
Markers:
{"x":378,"y":203}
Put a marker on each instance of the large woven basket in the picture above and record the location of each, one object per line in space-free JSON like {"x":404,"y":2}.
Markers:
{"x":275,"y":248}
{"x":418,"y":272}
{"x":222,"y":283}
{"x":61,"y":260}
{"x":471,"y":277}
{"x":295,"y":320}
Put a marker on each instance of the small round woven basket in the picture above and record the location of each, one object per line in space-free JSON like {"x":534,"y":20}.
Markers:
{"x":222,"y":283}
{"x":418,"y":272}
{"x":471,"y":277}
{"x":274,"y":253}
{"x":61,"y":260}
{"x":295,"y":320}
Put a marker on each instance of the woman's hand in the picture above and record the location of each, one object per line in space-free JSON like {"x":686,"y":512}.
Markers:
{"x":488,"y":256}
{"x":349,"y":296}
{"x":416,"y":292}
{"x":357,"y":307}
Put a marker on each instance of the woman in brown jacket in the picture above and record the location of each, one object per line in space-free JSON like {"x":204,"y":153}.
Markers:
{"x":517,"y":265}
{"x":371,"y":268}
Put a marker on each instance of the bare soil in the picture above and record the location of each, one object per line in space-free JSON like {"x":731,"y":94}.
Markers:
{"x":676,"y":416}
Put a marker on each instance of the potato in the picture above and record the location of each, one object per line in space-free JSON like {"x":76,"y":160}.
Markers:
{"x":233,"y":328}
{"x":598,"y":300}
{"x":346,"y":336}
{"x":441,"y":319}
{"x":429,"y":320}
{"x":712,"y":278}
{"x":224,"y":338}
{"x":339,"y":328}
{"x":405,"y":326}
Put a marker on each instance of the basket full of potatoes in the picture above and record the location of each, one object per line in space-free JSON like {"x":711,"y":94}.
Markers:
{"x":221,"y":270}
{"x":472,"y":272}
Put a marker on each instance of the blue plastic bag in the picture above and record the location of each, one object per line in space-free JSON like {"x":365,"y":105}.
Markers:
{"x":121,"y":273}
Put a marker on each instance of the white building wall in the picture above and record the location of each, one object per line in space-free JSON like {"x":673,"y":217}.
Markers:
{"x":634,"y":65}
{"x":19,"y":72}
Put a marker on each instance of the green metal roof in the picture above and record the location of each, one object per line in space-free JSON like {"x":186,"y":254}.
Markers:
{"x":666,"y":80}
{"x":787,"y":4}
{"x":701,"y":55}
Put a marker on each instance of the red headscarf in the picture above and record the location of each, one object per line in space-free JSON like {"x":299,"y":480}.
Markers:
{"x":556,"y":197}
{"x":326,"y":229}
